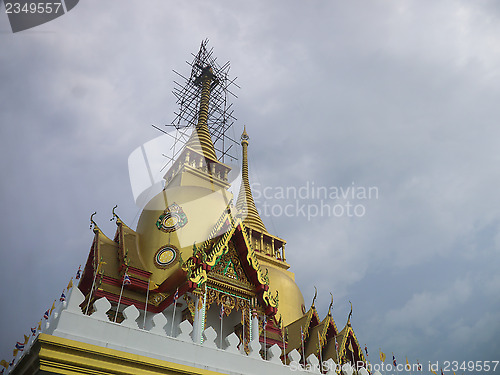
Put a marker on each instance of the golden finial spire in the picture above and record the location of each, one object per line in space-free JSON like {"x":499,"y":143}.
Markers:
{"x":245,"y":203}
{"x":200,"y":139}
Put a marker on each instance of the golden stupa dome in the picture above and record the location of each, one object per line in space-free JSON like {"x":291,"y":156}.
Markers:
{"x":181,"y":215}
{"x":291,"y":302}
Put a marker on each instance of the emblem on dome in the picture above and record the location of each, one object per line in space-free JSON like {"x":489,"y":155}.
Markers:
{"x":165,"y":256}
{"x":172,"y":219}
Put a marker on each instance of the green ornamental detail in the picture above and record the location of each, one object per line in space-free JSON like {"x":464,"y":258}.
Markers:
{"x":171,"y":219}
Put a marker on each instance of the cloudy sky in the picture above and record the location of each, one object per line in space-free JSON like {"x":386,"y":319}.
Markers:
{"x":397,"y":95}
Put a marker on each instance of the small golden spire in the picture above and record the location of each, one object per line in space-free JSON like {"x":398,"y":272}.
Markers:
{"x":245,"y":203}
{"x":200,"y":139}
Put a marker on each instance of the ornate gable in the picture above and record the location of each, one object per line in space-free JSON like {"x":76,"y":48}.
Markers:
{"x":228,"y":270}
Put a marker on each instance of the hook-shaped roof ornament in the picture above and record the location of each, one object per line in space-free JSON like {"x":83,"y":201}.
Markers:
{"x":350,"y":314}
{"x":331,"y":304}
{"x":93,"y":224}
{"x":114,"y":214}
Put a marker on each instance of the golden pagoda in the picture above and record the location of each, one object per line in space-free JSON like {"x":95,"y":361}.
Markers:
{"x":197,"y":257}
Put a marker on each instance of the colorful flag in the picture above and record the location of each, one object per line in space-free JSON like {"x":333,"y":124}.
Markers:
{"x":419,"y":366}
{"x":14,"y":352}
{"x":70,"y":284}
{"x":366,"y":350}
{"x":4,"y":363}
{"x":40,"y":325}
{"x":26,"y":339}
{"x":46,"y":315}
{"x":79,"y":272}
{"x":20,"y":346}
{"x":126,"y":280}
{"x":408,"y":367}
{"x":63,"y":297}
{"x":382,"y":356}
{"x":264,"y":321}
{"x":221,"y":313}
{"x":176,"y":295}
{"x":12,"y":362}
{"x":53,"y":307}
{"x":394,"y":360}
{"x":200,"y":303}
{"x":434,"y":372}
{"x":302,"y":342}
{"x":33,"y":331}
{"x":442,"y":371}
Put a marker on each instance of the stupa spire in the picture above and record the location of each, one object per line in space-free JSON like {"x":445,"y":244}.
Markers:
{"x":200,"y":139}
{"x":245,"y":203}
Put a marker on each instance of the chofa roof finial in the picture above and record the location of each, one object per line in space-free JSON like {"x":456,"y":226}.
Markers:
{"x":331,"y":304}
{"x":315,"y":295}
{"x":93,"y":224}
{"x":350,"y":314}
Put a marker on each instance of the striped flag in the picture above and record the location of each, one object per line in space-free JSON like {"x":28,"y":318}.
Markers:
{"x":221,"y":313}
{"x":302,"y":341}
{"x":46,"y":315}
{"x":78,"y":273}
{"x":20,"y":346}
{"x":200,"y":302}
{"x":394,"y":360}
{"x":382,"y":355}
{"x":126,"y":280}
{"x":33,"y":331}
{"x":366,"y":350}
{"x":63,"y":297}
{"x":176,"y":295}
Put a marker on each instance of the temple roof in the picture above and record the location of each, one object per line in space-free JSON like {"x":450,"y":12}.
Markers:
{"x":245,"y":203}
{"x":114,"y":258}
{"x":304,"y":324}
